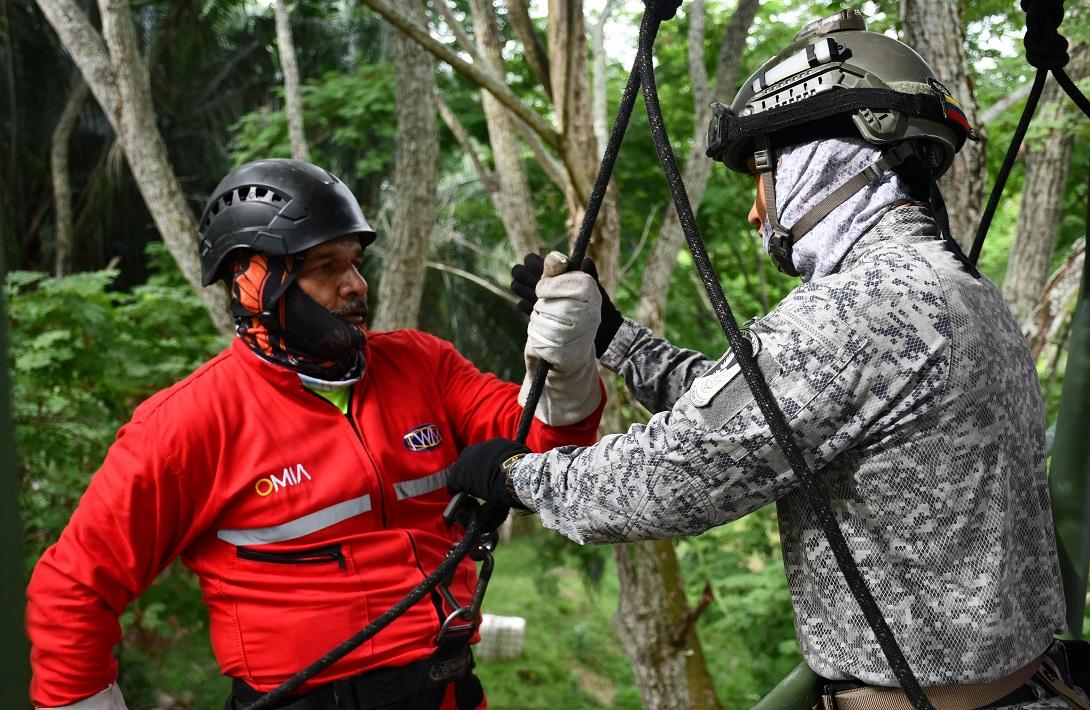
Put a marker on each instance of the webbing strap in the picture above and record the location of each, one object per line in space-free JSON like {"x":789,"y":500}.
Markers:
{"x":829,"y":104}
{"x":867,"y":176}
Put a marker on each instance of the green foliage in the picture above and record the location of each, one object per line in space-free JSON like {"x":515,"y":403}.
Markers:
{"x":572,"y":658}
{"x":350,"y":120}
{"x":82,"y":357}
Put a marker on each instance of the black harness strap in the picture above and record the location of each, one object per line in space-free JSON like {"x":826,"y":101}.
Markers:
{"x":828,"y":104}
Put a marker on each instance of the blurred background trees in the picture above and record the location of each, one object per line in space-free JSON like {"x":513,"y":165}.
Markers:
{"x":470,"y":130}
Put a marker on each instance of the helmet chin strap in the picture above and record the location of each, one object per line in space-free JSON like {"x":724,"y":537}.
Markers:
{"x":782,"y":242}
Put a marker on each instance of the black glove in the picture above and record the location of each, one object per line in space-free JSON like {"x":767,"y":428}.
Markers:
{"x":481,"y":471}
{"x":524,"y":278}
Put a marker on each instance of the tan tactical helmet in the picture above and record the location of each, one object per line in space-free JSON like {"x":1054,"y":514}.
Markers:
{"x":836,"y":69}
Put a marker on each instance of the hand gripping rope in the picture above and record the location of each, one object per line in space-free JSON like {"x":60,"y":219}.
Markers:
{"x":1046,"y":49}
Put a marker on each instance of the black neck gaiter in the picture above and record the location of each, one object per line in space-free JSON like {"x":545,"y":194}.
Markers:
{"x":285,"y":326}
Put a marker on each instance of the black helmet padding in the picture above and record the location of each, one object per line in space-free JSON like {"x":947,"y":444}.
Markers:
{"x":276,"y":207}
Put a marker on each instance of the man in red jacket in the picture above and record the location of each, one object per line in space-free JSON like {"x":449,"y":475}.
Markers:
{"x":300,"y":473}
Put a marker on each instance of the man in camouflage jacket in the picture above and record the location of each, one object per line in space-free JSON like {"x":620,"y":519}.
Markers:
{"x":912,"y":393}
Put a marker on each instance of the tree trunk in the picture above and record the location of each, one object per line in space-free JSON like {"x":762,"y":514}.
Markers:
{"x":653,"y":623}
{"x":570,"y":76}
{"x":293,"y":102}
{"x":651,"y":309}
{"x":513,"y":201}
{"x":1057,"y":298}
{"x":118,"y":79}
{"x":936,"y":29}
{"x":13,"y":106}
{"x":62,"y":189}
{"x":1046,"y":162}
{"x":600,"y":84}
{"x":415,"y":179}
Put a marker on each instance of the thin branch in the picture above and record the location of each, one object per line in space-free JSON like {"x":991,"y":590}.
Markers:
{"x":1004,"y":104}
{"x":485,"y":79}
{"x":462,"y":136}
{"x":460,"y":35}
{"x":545,"y":160}
{"x":474,"y":278}
{"x":598,"y":78}
{"x":289,"y":67}
{"x":643,"y":240}
{"x":706,"y":598}
{"x":228,"y":69}
{"x":63,"y":233}
{"x":698,"y":77}
{"x":535,"y":51}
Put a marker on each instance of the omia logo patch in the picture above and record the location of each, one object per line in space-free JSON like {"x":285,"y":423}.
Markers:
{"x":423,"y":438}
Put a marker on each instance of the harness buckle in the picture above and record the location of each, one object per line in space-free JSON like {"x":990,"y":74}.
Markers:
{"x":762,"y":160}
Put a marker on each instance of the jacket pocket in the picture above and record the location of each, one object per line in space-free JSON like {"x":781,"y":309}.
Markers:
{"x":314,"y":556}
{"x":292,"y":607}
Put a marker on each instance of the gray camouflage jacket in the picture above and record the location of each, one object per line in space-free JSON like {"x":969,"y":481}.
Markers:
{"x":913,"y":395}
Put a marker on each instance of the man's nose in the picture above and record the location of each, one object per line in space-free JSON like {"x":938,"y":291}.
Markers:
{"x":754,"y":217}
{"x":354,"y":285}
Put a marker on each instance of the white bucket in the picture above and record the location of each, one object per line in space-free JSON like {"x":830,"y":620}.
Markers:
{"x":501,"y":637}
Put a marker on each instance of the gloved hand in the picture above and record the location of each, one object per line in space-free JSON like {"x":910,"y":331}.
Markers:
{"x":524,"y":278}
{"x":562,"y":327}
{"x":481,"y":471}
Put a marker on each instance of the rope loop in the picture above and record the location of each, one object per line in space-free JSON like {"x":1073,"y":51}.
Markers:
{"x":662,"y":10}
{"x":1046,"y":48}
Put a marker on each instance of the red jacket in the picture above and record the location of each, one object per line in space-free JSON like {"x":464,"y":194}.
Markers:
{"x":302,"y":523}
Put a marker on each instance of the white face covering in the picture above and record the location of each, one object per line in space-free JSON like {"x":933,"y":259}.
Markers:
{"x":805,"y":174}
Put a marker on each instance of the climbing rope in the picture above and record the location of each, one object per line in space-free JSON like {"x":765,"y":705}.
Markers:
{"x":1046,"y":49}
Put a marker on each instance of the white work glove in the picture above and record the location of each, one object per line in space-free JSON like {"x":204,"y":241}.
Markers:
{"x":108,"y":699}
{"x":561,"y":332}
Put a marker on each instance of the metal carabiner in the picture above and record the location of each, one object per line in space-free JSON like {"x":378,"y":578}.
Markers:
{"x":460,"y":507}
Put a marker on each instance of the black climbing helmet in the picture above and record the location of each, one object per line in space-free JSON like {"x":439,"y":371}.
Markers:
{"x":276,"y":207}
{"x":836,"y":77}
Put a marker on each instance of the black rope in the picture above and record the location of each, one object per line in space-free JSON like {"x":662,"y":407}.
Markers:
{"x":818,"y":500}
{"x":651,"y":21}
{"x":453,"y":558}
{"x":1046,"y":49}
{"x":1073,"y":91}
{"x":1008,"y":163}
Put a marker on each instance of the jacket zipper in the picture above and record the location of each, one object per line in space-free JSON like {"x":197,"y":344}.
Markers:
{"x":378,"y":474}
{"x":359,"y":437}
{"x":314,"y":556}
{"x":436,"y":598}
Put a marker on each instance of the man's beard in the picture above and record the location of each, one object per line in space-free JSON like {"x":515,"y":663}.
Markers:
{"x":354,"y":306}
